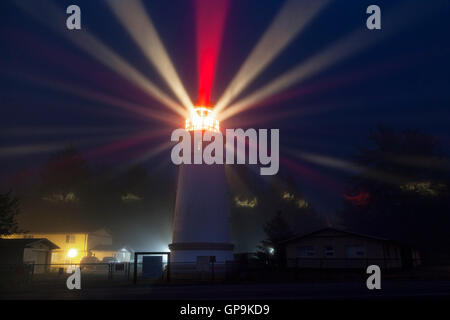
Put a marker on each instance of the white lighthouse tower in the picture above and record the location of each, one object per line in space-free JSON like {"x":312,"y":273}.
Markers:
{"x":202,"y":213}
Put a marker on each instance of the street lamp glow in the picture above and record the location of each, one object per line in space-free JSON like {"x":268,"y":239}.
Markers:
{"x":72,"y":253}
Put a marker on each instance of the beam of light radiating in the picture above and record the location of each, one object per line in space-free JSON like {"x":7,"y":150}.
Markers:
{"x":132,"y":108}
{"x":343,"y":79}
{"x":210,"y":21}
{"x":153,"y":152}
{"x":303,"y":111}
{"x":126,"y":143}
{"x":48,"y":14}
{"x":310,"y":174}
{"x":423,"y":162}
{"x":347,"y":166}
{"x":132,"y":15}
{"x":234,"y":181}
{"x":315,"y":88}
{"x":289,"y":22}
{"x":58,"y":131}
{"x":22,"y":150}
{"x":359,"y":40}
{"x":29,"y":149}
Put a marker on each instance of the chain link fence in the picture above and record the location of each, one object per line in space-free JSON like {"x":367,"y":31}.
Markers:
{"x":232,"y":271}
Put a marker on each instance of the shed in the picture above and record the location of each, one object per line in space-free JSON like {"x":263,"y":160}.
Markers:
{"x":27,"y":251}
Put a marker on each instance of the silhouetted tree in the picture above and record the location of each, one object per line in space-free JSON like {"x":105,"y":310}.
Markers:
{"x":276,"y":229}
{"x":65,"y":172}
{"x":247,"y":216}
{"x":254,"y":199}
{"x":9,"y":209}
{"x":403,"y":190}
{"x":285,"y":195}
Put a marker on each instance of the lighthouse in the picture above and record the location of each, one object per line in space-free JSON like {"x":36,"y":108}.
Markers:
{"x":201,"y":230}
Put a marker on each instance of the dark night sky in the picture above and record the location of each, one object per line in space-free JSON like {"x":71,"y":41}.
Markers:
{"x":402,"y":81}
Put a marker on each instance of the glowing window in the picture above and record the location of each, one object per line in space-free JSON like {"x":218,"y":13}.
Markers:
{"x":70,"y":238}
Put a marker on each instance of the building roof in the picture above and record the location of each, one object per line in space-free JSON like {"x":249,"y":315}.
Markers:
{"x":298,"y":237}
{"x":104,"y":247}
{"x":26,"y":242}
{"x":64,"y":230}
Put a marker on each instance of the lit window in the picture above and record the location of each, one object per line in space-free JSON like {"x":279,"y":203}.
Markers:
{"x":70,"y":238}
{"x":55,"y":256}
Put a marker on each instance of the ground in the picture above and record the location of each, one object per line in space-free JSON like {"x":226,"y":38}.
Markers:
{"x":400,"y":289}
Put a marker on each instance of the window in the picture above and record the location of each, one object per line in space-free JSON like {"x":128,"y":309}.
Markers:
{"x":329,"y":251}
{"x":355,"y":251}
{"x":70,"y":238}
{"x":55,"y":257}
{"x":306,"y":251}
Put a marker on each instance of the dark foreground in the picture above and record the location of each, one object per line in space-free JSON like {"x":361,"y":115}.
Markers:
{"x":391,"y":290}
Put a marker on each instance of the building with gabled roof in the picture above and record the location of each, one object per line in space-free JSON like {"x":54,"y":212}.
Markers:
{"x":36,"y":251}
{"x":73,"y":244}
{"x":333,"y":248}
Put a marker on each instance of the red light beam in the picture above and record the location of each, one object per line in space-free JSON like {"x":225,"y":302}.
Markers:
{"x":210,"y":18}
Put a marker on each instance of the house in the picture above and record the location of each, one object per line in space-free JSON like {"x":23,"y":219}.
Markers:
{"x":112,"y":253}
{"x":334,"y":248}
{"x":37,"y":251}
{"x":73,"y":244}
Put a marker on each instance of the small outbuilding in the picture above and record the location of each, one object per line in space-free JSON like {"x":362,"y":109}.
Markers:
{"x":27,"y":251}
